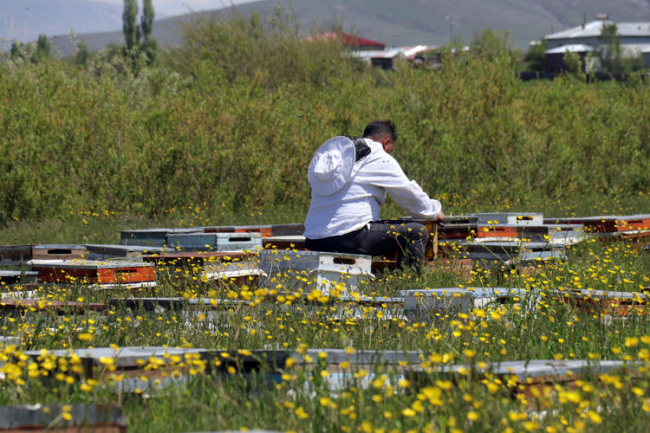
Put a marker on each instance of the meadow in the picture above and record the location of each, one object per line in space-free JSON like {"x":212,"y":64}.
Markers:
{"x":221,"y":132}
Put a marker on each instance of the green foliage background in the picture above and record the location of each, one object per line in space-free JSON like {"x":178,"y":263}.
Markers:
{"x":233,"y":117}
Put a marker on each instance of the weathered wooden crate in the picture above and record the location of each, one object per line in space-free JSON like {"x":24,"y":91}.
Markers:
{"x":533,"y":378}
{"x":218,"y":312}
{"x":292,"y":229}
{"x":509,"y":254}
{"x":132,"y":362}
{"x":14,"y":307}
{"x":104,"y":252}
{"x":557,"y":234}
{"x":343,"y":366}
{"x":296,"y":242}
{"x":427,"y":304}
{"x":215,"y":241}
{"x":9,"y":341}
{"x":100,"y":274}
{"x":464,"y":231}
{"x":58,"y":252}
{"x":36,"y":418}
{"x":152,"y":237}
{"x":264,"y":231}
{"x":296,"y":269}
{"x":15,"y":254}
{"x":460,"y":267}
{"x":461,"y":220}
{"x":212,"y":264}
{"x":10,"y":278}
{"x":605,"y":302}
{"x":617,"y":226}
{"x":509,"y":218}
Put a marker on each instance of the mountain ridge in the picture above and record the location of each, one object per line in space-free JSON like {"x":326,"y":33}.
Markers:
{"x":411,"y":22}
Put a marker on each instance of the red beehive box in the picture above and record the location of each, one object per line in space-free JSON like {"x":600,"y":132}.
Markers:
{"x":95,"y":272}
{"x":265,"y":231}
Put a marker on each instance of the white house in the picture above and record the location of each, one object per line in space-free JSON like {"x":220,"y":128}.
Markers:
{"x":634,"y":38}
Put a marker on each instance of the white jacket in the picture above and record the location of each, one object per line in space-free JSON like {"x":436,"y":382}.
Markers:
{"x":359,"y":191}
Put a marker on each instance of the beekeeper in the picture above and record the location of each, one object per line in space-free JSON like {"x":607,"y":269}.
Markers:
{"x":349,"y":179}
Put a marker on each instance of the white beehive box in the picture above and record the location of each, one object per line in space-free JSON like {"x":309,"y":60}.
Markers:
{"x":297,"y":269}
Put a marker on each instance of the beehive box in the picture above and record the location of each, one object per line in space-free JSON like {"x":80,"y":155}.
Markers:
{"x":556,"y":234}
{"x":36,"y":418}
{"x":427,"y":304}
{"x":132,"y":362}
{"x":103,"y":252}
{"x":152,"y":237}
{"x":463,"y":231}
{"x":461,"y":220}
{"x":20,"y":307}
{"x":10,"y":278}
{"x":285,"y":242}
{"x":509,"y":218}
{"x":293,"y":229}
{"x":618,"y":226}
{"x":15,"y":254}
{"x":605,"y":302}
{"x":514,"y":253}
{"x":161,"y":304}
{"x":459,"y":267}
{"x":212,"y":264}
{"x":58,"y":252}
{"x":215,"y":241}
{"x":533,"y":378}
{"x":100,"y":274}
{"x":264,"y":231}
{"x":326,"y":269}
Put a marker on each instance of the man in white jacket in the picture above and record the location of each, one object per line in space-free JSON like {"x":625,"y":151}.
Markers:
{"x":349,"y":180}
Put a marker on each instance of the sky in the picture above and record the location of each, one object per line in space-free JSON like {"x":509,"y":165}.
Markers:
{"x":179,"y":7}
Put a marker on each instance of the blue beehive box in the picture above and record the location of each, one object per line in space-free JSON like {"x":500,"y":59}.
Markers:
{"x":214,"y":241}
{"x":151,"y":237}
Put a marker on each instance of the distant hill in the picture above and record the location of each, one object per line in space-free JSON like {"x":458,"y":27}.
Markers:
{"x":24,"y":20}
{"x":404,"y":23}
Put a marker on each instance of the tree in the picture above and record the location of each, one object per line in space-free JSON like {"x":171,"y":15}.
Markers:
{"x":17,"y":50}
{"x":610,"y":52}
{"x":149,"y":46}
{"x":42,"y":51}
{"x":137,"y":38}
{"x":573,"y":64}
{"x":536,"y":56}
{"x":129,"y":26}
{"x":82,"y":54}
{"x":492,"y":42}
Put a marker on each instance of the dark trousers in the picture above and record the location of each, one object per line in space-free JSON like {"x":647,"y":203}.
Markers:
{"x":381,"y":238}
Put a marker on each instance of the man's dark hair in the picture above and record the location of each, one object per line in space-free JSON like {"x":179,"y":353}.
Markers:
{"x":380,"y":128}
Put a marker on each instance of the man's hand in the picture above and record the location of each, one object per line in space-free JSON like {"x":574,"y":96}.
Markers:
{"x":441,"y":216}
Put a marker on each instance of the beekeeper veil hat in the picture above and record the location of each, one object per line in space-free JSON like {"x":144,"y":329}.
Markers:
{"x":331,"y":167}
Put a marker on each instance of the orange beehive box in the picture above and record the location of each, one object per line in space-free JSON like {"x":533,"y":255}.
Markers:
{"x":94,"y":272}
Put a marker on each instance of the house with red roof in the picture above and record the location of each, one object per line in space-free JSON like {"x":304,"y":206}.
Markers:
{"x":354,"y":42}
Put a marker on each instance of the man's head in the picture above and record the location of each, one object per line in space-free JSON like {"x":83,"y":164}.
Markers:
{"x":382,"y":131}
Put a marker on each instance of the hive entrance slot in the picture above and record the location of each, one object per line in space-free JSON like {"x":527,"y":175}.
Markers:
{"x":344,"y":261}
{"x":59,"y":251}
{"x":240,"y":239}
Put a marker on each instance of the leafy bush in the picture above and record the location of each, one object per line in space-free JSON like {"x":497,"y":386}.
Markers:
{"x":235,"y":117}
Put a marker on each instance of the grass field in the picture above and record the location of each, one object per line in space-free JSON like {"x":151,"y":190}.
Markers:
{"x":310,"y":392}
